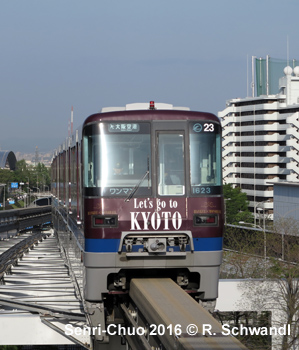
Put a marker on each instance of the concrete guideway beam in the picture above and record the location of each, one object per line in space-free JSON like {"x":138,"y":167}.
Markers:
{"x":163,"y":302}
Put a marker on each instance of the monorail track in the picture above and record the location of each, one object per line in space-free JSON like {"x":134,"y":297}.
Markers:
{"x":16,"y":250}
{"x":35,"y":283}
{"x":17,"y":220}
{"x":155,"y":313}
{"x":166,"y":315}
{"x":172,"y":319}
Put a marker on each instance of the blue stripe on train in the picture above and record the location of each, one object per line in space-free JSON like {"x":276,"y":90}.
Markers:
{"x":207,"y":244}
{"x":94,"y":245}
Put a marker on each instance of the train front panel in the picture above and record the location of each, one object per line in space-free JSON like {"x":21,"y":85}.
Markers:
{"x":153,"y":201}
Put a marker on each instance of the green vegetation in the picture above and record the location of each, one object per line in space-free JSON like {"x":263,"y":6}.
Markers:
{"x":269,"y":261}
{"x":37,"y":178}
{"x":236,"y":205}
{"x":248,"y":319}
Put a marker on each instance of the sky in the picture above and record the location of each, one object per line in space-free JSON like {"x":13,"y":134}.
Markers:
{"x":55,"y":54}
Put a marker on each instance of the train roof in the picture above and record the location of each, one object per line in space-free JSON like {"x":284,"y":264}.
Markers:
{"x":149,"y":111}
{"x":138,"y":111}
{"x":144,"y":106}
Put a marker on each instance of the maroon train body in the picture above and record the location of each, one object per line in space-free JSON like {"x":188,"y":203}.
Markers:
{"x":144,"y":185}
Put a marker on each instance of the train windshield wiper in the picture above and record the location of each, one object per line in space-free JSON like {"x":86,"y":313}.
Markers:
{"x":133,"y":191}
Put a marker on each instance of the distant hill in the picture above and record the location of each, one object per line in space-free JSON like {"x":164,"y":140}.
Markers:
{"x":43,"y":157}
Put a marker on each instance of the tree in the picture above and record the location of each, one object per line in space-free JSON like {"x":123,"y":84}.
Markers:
{"x":22,"y":171}
{"x":279,"y":294}
{"x":248,"y":319}
{"x":34,"y":177}
{"x":6,"y":177}
{"x":236,"y":204}
{"x":277,"y":286}
{"x":242,"y":247}
{"x":43,"y":175}
{"x":284,"y":269}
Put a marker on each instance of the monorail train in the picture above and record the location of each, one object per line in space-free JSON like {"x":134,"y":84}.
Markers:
{"x":144,"y":184}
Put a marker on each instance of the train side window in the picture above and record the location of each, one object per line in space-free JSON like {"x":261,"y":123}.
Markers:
{"x":171,"y":174}
{"x":90,"y":154}
{"x":205,"y":158}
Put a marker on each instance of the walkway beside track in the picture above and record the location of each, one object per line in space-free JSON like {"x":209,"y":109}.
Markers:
{"x":39,"y":294}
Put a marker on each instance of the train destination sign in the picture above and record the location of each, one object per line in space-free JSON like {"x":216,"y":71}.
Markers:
{"x":123,"y":127}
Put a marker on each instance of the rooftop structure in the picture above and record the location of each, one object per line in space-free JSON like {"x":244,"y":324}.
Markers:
{"x":7,"y":160}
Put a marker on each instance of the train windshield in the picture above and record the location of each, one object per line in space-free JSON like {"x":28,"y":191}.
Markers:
{"x":205,"y":158}
{"x":117,"y":158}
{"x":171,"y":165}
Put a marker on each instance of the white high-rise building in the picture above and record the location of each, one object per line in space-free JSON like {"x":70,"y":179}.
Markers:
{"x":261,"y":141}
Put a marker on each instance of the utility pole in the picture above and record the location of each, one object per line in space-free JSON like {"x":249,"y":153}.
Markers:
{"x":36,"y":161}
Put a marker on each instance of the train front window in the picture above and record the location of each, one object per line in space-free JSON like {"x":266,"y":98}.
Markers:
{"x":171,"y":174}
{"x":116,"y":157}
{"x":205,"y":158}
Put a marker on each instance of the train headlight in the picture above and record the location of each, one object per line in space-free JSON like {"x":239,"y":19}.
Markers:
{"x":105,"y":221}
{"x":205,"y":220}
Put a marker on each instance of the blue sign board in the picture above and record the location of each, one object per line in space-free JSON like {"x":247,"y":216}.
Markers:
{"x":14,"y":185}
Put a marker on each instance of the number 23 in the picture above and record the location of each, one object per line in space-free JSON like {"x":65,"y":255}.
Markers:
{"x":208,"y":127}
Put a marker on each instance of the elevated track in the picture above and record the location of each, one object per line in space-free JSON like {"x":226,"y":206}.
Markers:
{"x":39,"y":278}
{"x":17,"y":220}
{"x":172,"y":319}
{"x":37,"y":297}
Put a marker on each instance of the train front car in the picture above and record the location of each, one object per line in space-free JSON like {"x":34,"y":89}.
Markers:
{"x":153,"y":202}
